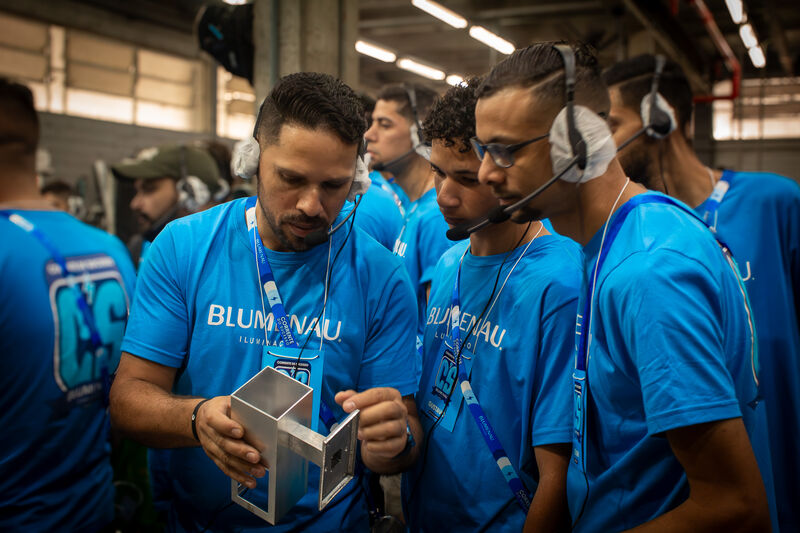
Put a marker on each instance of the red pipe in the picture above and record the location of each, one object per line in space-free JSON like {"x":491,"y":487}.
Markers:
{"x":724,"y":49}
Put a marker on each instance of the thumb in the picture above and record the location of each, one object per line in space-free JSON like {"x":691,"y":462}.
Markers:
{"x":343,"y":396}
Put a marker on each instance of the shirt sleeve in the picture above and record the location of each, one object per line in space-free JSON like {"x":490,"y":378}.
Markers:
{"x":671,"y":322}
{"x":158,"y":326}
{"x":551,"y":418}
{"x":390,"y":350}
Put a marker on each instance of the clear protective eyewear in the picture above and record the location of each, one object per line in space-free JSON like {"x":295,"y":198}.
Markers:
{"x":502,"y":154}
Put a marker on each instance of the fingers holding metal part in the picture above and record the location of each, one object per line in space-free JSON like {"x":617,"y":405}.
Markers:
{"x":221,"y":439}
{"x":383,"y":419}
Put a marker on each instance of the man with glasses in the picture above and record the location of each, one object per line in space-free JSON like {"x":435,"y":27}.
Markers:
{"x":665,"y":389}
{"x":517,"y":287}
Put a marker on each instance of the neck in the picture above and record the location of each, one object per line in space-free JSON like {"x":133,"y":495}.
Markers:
{"x":416,"y":178}
{"x":593,"y":203}
{"x":500,"y":238}
{"x":687,"y":179}
{"x":19,"y":190}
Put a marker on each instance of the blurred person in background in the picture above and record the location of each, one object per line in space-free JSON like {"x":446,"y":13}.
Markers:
{"x":57,"y":194}
{"x":66,"y":289}
{"x":758,"y":215}
{"x":171,"y":181}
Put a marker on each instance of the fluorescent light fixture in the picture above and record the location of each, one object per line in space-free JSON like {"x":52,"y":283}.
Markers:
{"x":441,"y":13}
{"x":236,"y":2}
{"x":736,"y":10}
{"x":418,"y":68}
{"x":748,"y":36}
{"x":454,"y":79}
{"x":757,"y":57}
{"x":490,"y":39}
{"x":371,"y":50}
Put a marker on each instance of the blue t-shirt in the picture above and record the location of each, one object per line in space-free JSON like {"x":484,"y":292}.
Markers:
{"x":55,"y":469}
{"x":391,"y":186}
{"x":759,"y":218}
{"x":421,"y":243}
{"x":198,"y":308}
{"x":521,"y":375}
{"x":671,"y":347}
{"x":378,"y":215}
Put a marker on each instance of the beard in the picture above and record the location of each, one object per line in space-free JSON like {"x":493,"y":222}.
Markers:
{"x":289,"y":241}
{"x":637,"y":163}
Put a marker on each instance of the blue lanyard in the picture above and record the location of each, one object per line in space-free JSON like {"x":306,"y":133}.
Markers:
{"x":86,"y":311}
{"x":516,"y":485}
{"x":267,"y":279}
{"x":714,"y":201}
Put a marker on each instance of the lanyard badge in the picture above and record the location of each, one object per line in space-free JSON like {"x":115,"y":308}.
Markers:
{"x":303,"y":364}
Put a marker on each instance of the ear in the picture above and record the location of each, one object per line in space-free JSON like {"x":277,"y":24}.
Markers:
{"x":244,"y":159}
{"x":600,"y":147}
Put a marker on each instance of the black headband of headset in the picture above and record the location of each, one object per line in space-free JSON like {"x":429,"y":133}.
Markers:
{"x":575,"y":138}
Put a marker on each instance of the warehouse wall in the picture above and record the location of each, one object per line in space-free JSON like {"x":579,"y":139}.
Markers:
{"x":774,"y":155}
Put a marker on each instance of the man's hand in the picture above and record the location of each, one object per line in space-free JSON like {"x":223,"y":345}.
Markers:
{"x":382,"y":422}
{"x":221,"y":439}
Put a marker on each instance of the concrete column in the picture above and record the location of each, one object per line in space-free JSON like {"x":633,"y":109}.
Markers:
{"x":304,"y":35}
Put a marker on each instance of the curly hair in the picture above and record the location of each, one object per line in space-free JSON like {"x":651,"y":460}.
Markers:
{"x":312,"y":100}
{"x":452,"y":117}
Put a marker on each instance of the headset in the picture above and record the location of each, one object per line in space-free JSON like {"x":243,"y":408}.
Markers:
{"x":658,"y":116}
{"x":418,"y":142}
{"x":193,"y":193}
{"x":570,"y":153}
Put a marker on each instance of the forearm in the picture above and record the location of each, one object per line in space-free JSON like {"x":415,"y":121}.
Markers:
{"x":549,"y":511}
{"x":150,"y":415}
{"x":692,"y":516}
{"x":382,"y":465}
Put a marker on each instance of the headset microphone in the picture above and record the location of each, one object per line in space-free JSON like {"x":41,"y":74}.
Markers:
{"x":500,"y":214}
{"x":317,"y":237}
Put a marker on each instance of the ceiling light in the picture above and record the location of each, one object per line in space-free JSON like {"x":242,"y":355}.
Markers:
{"x":418,"y":68}
{"x":454,"y":79}
{"x":736,"y":10}
{"x":441,"y":13}
{"x":371,"y":50}
{"x":490,"y":39}
{"x":757,"y":57}
{"x":236,"y":2}
{"x":748,"y":36}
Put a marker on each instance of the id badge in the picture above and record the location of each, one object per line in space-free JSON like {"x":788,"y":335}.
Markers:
{"x":307,"y":370}
{"x":442,"y":384}
{"x":579,"y":414}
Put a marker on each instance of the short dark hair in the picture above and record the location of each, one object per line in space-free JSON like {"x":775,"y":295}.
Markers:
{"x":452,"y":116}
{"x":399,"y":94}
{"x":312,"y":100}
{"x":541,"y":67}
{"x":57,"y":187}
{"x":635,"y":76}
{"x":19,"y":123}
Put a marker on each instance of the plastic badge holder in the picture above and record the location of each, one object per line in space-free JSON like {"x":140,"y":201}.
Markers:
{"x":275,"y":411}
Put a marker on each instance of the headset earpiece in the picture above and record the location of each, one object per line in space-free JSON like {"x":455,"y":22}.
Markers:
{"x":578,"y":132}
{"x":657,"y":115}
{"x":193,"y":193}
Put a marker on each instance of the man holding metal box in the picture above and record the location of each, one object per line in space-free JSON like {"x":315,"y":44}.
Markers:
{"x":263,"y":282}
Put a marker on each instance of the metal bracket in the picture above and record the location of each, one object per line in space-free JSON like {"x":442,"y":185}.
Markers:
{"x":275,"y":411}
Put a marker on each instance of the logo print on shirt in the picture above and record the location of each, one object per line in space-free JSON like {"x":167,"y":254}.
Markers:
{"x":484,"y":331}
{"x":242,"y":318}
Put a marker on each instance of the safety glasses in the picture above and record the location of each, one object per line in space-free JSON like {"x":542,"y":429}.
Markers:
{"x":502,"y":154}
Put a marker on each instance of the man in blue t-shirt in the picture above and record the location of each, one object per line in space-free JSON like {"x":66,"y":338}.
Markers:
{"x":57,"y":349}
{"x":665,"y":383}
{"x":518,"y":290}
{"x":395,"y":146}
{"x":765,"y":243}
{"x":378,"y":214}
{"x":200,"y":326}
